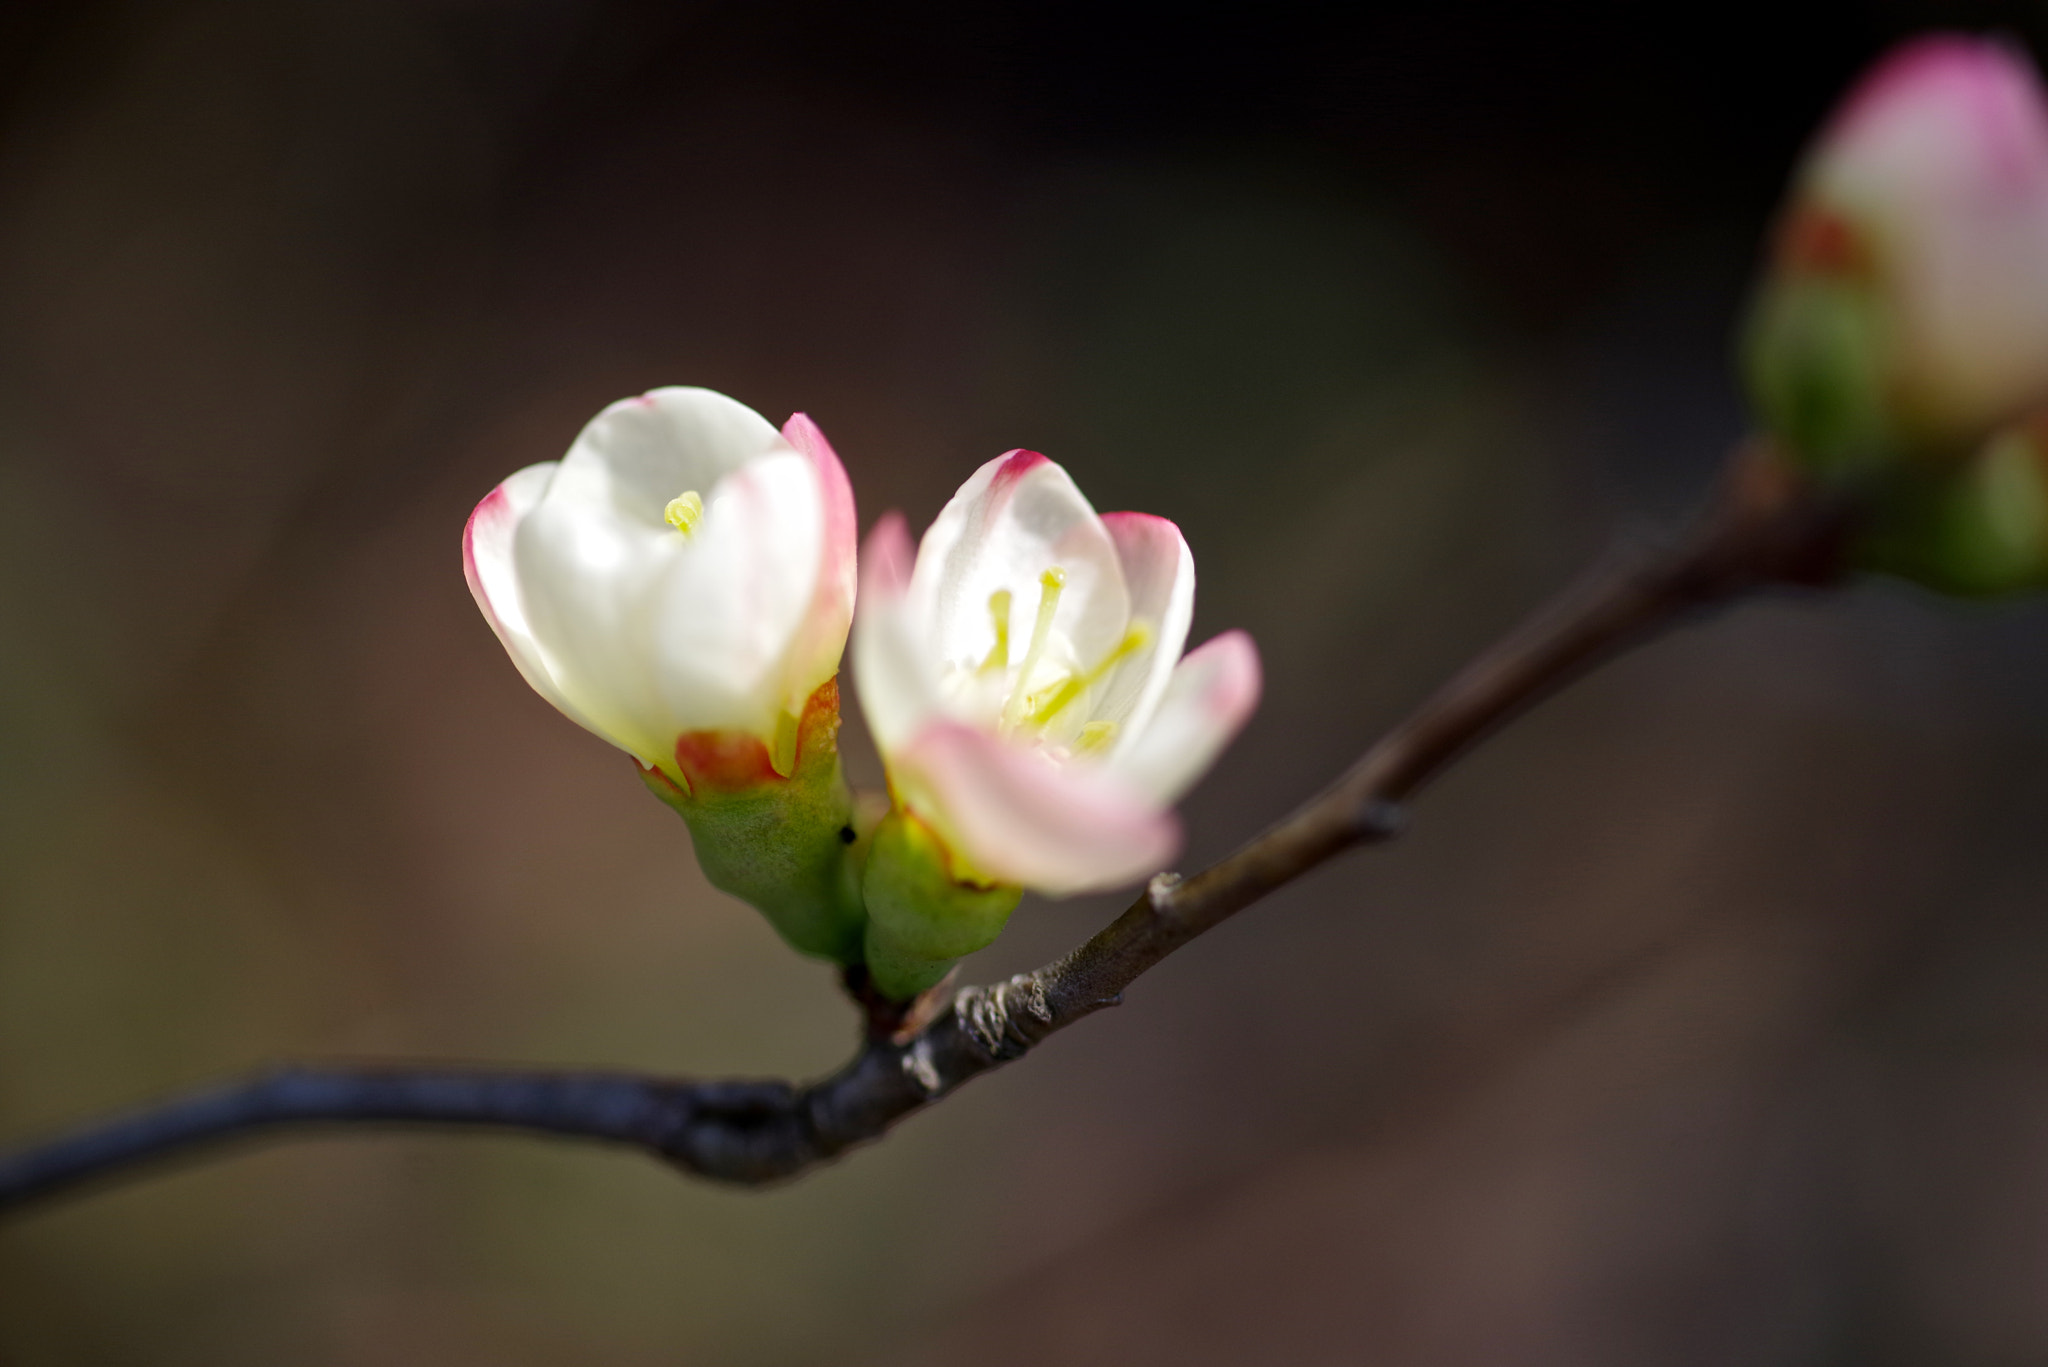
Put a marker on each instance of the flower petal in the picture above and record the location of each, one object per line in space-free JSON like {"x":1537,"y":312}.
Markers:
{"x":814,"y":657}
{"x":641,"y":452}
{"x":1016,"y":817}
{"x":1210,"y":696}
{"x":487,"y":566}
{"x":892,"y":664}
{"x":1159,"y":573}
{"x":1013,"y":519}
{"x":732,"y":600}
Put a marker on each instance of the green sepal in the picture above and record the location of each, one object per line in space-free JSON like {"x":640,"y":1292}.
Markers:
{"x":791,"y":846}
{"x":921,"y":918}
{"x":1815,"y":356}
{"x":1976,"y":531}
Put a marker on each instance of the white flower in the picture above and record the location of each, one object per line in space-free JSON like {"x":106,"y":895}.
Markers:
{"x":1024,"y":680}
{"x":685,"y":569}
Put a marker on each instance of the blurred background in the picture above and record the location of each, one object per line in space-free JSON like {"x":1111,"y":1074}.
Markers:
{"x":1703,"y":1017}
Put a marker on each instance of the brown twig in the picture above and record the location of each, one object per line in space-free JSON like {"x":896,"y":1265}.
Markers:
{"x":1762,"y":528}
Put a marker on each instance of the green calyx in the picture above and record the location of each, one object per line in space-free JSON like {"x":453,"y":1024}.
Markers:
{"x":1979,"y":530}
{"x":1815,"y":358}
{"x":841,"y":878}
{"x":921,"y":918}
{"x":792,"y":845}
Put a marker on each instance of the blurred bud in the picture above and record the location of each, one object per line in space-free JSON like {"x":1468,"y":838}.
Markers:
{"x":1905,"y":311}
{"x":1977,"y":530}
{"x":681,"y":584}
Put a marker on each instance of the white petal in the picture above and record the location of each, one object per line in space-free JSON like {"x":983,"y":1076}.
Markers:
{"x":815,"y":655}
{"x":641,"y":452}
{"x":1013,"y":519}
{"x":731,"y":598}
{"x":1016,"y":817}
{"x":487,"y":566}
{"x":1210,"y":696}
{"x":1159,"y":572}
{"x":893,"y":666}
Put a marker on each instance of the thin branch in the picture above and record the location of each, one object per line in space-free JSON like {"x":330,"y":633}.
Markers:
{"x":1761,"y":529}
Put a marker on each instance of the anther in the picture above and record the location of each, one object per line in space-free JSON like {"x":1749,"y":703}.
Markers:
{"x":684,"y":512}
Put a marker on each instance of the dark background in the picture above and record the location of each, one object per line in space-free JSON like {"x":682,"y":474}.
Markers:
{"x":1703,"y":1018}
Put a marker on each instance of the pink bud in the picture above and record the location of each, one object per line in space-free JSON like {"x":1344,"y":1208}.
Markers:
{"x":1927,"y":196}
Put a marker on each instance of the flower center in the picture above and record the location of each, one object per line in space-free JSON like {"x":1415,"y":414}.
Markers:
{"x":1032,"y":709}
{"x":684,"y":512}
{"x":1045,"y":704}
{"x":1050,"y":585}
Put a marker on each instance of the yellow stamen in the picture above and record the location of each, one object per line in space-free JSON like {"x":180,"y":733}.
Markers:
{"x":1049,"y":585}
{"x":1135,"y":639}
{"x":684,"y":512}
{"x":999,"y":653}
{"x":1096,"y":735}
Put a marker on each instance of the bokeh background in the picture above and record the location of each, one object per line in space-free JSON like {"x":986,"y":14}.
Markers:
{"x":1703,"y":1018}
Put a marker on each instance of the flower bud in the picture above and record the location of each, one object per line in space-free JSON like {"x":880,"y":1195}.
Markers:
{"x":1904,"y":314}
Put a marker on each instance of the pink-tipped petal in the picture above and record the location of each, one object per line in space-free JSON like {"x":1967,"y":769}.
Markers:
{"x":823,"y":640}
{"x":1016,"y":517}
{"x":1210,"y":697}
{"x":842,"y":530}
{"x":487,"y":566}
{"x":892,"y":667}
{"x":1014,"y":816}
{"x":1159,"y":575}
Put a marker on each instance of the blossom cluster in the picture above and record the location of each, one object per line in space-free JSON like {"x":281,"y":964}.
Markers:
{"x":682,"y":583}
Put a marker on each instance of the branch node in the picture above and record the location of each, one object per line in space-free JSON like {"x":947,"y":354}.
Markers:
{"x":1031,"y":988}
{"x":1159,"y":892}
{"x":919,"y":1068}
{"x":994,"y":1016}
{"x":1377,"y":819}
